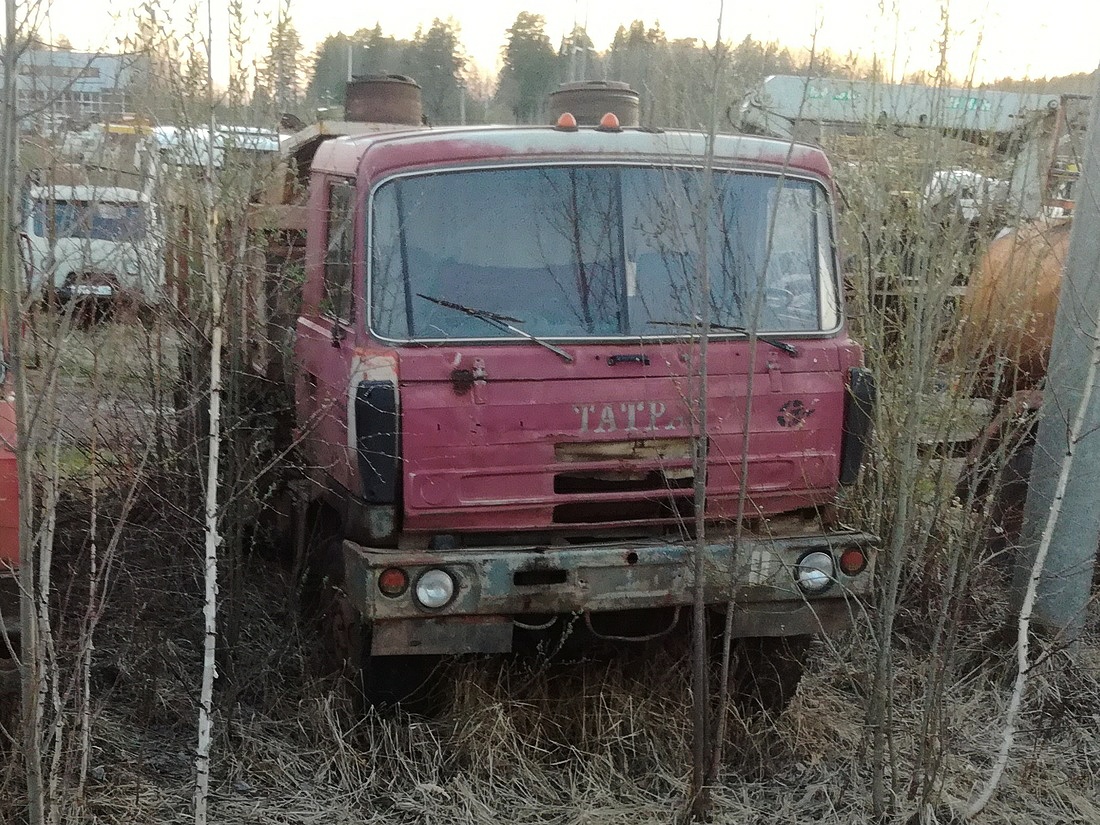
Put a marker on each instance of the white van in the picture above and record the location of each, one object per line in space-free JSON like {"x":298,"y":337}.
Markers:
{"x":94,"y":242}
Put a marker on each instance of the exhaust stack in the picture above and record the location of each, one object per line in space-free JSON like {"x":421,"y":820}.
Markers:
{"x":384,"y":98}
{"x":590,"y":100}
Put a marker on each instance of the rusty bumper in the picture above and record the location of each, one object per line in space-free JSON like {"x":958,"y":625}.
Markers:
{"x":493,"y":585}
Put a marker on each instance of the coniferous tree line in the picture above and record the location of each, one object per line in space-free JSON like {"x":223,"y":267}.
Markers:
{"x":671,"y":75}
{"x":668,"y":73}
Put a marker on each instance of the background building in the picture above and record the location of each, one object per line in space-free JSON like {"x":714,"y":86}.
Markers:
{"x":61,"y":90}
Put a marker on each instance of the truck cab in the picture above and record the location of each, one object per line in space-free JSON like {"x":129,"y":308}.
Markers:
{"x":498,"y":384}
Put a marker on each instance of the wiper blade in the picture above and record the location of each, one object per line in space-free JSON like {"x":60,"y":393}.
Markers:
{"x":483,"y":314}
{"x":790,"y":349}
{"x":495,"y":319}
{"x":778,"y":343}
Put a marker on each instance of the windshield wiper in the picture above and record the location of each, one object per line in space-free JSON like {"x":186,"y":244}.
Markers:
{"x":502,"y":322}
{"x":790,"y":349}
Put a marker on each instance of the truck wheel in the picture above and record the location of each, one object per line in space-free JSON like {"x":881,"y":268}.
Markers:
{"x":338,"y":621}
{"x":381,"y":682}
{"x":768,"y":671}
{"x":411,"y":683}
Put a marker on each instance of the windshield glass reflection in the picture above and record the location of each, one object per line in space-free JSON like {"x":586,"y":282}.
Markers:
{"x":597,"y":251}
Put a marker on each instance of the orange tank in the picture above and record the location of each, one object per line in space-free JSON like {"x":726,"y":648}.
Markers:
{"x":1007,"y":313}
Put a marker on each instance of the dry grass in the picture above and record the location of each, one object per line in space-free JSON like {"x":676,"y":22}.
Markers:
{"x":523,"y":742}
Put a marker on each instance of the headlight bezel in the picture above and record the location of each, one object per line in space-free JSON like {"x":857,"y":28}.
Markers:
{"x":432,"y":575}
{"x":815,"y":571}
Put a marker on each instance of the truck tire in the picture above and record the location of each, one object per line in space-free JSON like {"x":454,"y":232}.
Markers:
{"x":336,"y":618}
{"x":380,"y":682}
{"x":411,"y":683}
{"x":767,"y":672}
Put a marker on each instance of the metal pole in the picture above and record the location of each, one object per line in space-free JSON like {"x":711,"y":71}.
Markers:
{"x":1070,"y":405}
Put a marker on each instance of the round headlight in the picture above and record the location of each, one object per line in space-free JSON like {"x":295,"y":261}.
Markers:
{"x":815,"y":572}
{"x":435,"y":588}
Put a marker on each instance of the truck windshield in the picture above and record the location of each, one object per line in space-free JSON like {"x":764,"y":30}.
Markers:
{"x":599,"y":251}
{"x":90,"y":220}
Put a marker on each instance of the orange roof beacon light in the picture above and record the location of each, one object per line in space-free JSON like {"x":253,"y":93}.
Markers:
{"x":566,"y":122}
{"x":610,"y":123}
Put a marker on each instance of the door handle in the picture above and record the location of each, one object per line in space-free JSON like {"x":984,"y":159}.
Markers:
{"x":631,"y":358}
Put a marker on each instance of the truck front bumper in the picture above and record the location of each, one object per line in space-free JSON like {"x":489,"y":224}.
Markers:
{"x":493,"y":586}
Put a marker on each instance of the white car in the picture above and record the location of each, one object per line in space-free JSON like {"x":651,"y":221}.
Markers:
{"x":94,"y":242}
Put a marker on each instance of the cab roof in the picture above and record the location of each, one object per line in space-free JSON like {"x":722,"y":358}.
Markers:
{"x":372,"y":156}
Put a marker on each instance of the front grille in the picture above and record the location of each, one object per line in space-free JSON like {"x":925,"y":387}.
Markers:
{"x":651,"y":450}
{"x":642,"y":480}
{"x":610,"y":482}
{"x":608,"y":511}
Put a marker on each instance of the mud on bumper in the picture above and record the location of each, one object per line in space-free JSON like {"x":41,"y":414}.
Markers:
{"x":495,"y":585}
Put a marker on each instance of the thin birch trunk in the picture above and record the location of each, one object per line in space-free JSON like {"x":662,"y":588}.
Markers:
{"x":49,"y":689}
{"x":700,"y":795}
{"x":210,"y":606}
{"x":87,"y":640}
{"x":211,"y":265}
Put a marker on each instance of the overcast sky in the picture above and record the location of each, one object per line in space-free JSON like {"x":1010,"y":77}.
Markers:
{"x":996,"y":37}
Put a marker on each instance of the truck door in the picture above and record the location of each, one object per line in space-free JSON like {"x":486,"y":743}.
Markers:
{"x":326,"y":340}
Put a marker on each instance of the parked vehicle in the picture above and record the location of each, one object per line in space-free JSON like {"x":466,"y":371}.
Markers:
{"x":1008,"y":314}
{"x":94,"y":242}
{"x":496,"y":378}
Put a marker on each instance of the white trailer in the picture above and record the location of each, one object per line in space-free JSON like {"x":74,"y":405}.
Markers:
{"x":802,"y":107}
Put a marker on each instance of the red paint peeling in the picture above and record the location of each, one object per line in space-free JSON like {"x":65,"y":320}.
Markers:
{"x":472,"y":466}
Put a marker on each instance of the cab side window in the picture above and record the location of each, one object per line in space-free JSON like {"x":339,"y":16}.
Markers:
{"x":336,"y":299}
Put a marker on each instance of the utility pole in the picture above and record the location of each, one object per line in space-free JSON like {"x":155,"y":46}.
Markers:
{"x":1062,"y":511}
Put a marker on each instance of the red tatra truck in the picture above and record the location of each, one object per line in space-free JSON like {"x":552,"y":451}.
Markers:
{"x":496,"y":364}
